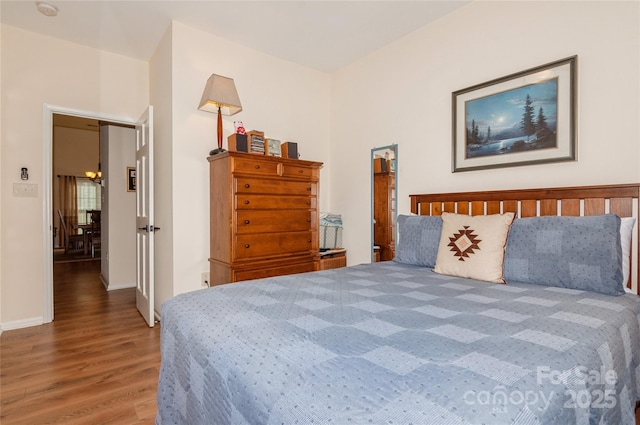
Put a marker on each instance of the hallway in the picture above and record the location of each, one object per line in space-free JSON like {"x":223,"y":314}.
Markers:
{"x":96,"y":363}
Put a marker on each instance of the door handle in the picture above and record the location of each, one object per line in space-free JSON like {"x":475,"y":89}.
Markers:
{"x":148,"y":228}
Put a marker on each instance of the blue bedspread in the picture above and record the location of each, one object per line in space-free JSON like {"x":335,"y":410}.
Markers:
{"x":389,"y":343}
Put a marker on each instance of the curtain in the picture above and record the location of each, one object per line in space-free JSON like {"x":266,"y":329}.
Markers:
{"x":69,"y":202}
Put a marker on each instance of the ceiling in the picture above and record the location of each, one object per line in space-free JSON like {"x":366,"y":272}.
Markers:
{"x":324,"y":35}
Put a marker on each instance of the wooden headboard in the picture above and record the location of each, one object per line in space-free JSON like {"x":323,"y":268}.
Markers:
{"x":565,"y":201}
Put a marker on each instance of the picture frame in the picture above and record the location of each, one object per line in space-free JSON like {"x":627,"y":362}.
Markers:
{"x":131,"y":179}
{"x":522,"y":119}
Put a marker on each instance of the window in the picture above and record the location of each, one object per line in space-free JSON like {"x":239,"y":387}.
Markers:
{"x":88,"y":198}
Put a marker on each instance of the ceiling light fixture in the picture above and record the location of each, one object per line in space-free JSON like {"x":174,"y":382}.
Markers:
{"x":47,"y":9}
{"x":95,"y":176}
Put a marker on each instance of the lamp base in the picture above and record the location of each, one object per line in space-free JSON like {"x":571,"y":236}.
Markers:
{"x":216,"y":151}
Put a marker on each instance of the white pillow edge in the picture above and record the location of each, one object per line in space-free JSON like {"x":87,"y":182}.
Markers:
{"x":626,"y":234}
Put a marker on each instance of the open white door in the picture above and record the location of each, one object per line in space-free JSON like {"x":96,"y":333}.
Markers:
{"x":144,"y":216}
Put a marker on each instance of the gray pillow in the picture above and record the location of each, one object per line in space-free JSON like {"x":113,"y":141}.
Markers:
{"x":418,"y":239}
{"x":568,"y":252}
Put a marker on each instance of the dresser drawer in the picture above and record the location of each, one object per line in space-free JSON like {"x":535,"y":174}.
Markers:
{"x":270,"y":244}
{"x":273,"y":271}
{"x":251,"y":222}
{"x":274,"y":186}
{"x":267,"y":202}
{"x":256,"y":165}
{"x":297,"y":171}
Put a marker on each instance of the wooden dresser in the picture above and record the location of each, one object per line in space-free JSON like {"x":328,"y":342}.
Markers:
{"x":263,"y":216}
{"x":384,"y":202}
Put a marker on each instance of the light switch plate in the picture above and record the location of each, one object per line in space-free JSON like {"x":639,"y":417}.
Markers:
{"x":25,"y":190}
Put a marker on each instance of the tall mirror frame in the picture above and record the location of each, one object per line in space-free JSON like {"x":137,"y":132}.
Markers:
{"x":384,"y":202}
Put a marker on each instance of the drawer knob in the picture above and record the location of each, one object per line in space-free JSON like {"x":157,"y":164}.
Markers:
{"x":309,"y":240}
{"x":258,"y":167}
{"x":247,"y":185}
{"x":308,"y":220}
{"x":247,"y":222}
{"x":246,"y":202}
{"x":309,"y":188}
{"x":247,"y":245}
{"x":308,"y":202}
{"x":300,"y":171}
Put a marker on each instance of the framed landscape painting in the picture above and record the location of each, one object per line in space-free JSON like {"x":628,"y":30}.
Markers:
{"x":521,"y":119}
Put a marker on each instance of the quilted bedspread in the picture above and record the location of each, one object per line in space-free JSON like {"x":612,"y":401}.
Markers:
{"x":388,"y":343}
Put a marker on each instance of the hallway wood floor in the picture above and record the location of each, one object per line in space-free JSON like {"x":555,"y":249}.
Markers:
{"x":96,"y":363}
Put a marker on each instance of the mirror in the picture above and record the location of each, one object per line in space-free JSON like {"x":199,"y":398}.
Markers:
{"x":384,"y":205}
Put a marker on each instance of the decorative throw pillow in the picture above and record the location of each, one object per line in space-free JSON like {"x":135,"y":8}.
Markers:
{"x":418,"y":239}
{"x":568,"y":252}
{"x":473,"y":246}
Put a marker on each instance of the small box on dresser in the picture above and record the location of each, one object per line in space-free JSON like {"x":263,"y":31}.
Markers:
{"x":289,"y":150}
{"x":263,"y":216}
{"x":238,"y":142}
{"x":333,"y":259}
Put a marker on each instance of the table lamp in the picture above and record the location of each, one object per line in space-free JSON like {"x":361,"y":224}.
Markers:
{"x":220,"y":95}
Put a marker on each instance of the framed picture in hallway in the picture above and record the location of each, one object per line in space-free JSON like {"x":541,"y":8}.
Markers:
{"x":131,"y":179}
{"x":521,"y":119}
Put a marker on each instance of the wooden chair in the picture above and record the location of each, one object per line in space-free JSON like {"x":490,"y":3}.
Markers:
{"x":71,"y":242}
{"x":94,"y":237}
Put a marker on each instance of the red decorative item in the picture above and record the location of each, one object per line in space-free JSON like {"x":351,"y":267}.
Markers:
{"x":239,"y":127}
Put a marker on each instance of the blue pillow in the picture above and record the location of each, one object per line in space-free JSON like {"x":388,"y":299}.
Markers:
{"x":568,"y":252}
{"x":418,"y":240}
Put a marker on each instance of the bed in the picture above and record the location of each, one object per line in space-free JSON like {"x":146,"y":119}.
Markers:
{"x":397,"y":343}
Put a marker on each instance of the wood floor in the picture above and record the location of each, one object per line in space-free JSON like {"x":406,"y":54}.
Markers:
{"x":97,"y":363}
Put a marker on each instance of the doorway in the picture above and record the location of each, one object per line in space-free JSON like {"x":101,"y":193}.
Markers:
{"x":48,"y":222}
{"x":76,"y":189}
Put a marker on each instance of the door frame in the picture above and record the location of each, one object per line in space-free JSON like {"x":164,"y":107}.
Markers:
{"x":48,"y":111}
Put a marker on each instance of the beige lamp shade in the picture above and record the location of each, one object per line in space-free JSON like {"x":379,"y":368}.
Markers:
{"x":220,"y":92}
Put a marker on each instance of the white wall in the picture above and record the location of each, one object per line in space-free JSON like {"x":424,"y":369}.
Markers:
{"x":286,"y":101}
{"x":161,"y":97}
{"x":118,"y":232}
{"x":402,"y":94}
{"x":38,"y":70}
{"x":1,"y":184}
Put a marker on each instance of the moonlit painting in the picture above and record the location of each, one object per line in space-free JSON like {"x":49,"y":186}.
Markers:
{"x":518,"y":120}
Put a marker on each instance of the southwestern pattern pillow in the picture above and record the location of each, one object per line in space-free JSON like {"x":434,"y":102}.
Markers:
{"x":419,"y":236}
{"x":473,"y":246}
{"x":568,"y":252}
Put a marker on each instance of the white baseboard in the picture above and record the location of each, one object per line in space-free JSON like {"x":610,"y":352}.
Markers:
{"x":109,"y":287}
{"x":121,"y":286}
{"x":24,"y":323}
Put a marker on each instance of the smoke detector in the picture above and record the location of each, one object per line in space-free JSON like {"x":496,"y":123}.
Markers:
{"x":47,"y":9}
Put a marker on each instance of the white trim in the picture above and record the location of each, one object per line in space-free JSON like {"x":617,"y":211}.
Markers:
{"x":24,"y":323}
{"x":121,"y":286}
{"x":116,"y":287}
{"x":47,"y":221}
{"x":47,"y":225}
